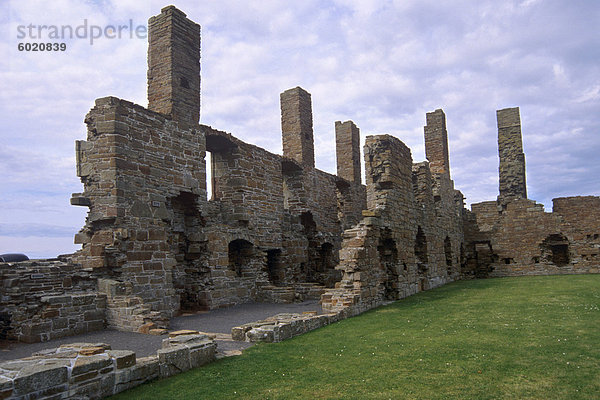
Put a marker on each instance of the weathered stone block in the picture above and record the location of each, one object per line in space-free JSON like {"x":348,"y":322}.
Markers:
{"x":202,"y":355}
{"x":6,"y":387}
{"x":261,"y":334}
{"x":182,"y":333}
{"x":85,"y":364}
{"x":238,"y":333}
{"x":173,"y":360}
{"x":39,"y":377}
{"x":122,"y":358}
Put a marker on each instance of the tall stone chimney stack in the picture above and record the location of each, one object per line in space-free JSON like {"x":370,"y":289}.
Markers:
{"x":297,"y":126}
{"x":436,"y":142}
{"x":512,"y":159}
{"x":174,"y":65}
{"x":347,"y":147}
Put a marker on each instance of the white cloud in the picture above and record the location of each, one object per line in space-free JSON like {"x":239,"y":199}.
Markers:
{"x":383,"y":64}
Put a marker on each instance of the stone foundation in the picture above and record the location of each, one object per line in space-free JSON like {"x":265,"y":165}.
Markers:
{"x":95,"y":371}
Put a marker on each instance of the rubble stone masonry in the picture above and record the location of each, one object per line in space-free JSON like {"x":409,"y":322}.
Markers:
{"x":512,"y":158}
{"x":273,"y":227}
{"x":436,"y":142}
{"x":515,"y":236}
{"x":347,"y":144}
{"x":297,"y":126}
{"x":174,"y":65}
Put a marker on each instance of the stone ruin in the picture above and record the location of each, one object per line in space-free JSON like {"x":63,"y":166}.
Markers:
{"x":515,"y":236}
{"x":275,"y":229}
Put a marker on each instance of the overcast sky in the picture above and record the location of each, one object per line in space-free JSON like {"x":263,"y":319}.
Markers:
{"x":382,"y":64}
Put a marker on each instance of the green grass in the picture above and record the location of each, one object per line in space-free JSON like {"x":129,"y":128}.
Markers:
{"x":509,"y":338}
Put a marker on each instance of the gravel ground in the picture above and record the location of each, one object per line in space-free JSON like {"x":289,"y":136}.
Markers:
{"x":216,"y":321}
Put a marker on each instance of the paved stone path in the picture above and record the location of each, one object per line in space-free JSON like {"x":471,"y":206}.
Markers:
{"x":218,"y":322}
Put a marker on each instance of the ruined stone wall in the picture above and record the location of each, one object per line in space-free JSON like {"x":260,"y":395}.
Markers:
{"x":515,"y":236}
{"x":448,"y":203}
{"x":48,"y":299}
{"x":161,"y":244}
{"x":143,"y":177}
{"x":248,"y":180}
{"x":564,"y":241}
{"x":405,"y":241}
{"x":245,"y":220}
{"x":271,"y":220}
{"x":352,"y":199}
{"x":287,"y":215}
{"x":95,"y":371}
{"x":580,"y":222}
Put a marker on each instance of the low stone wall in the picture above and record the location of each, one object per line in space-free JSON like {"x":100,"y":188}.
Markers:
{"x":43,"y":300}
{"x":281,"y":327}
{"x":59,"y":316}
{"x":501,"y":270}
{"x":289,"y":294}
{"x":94,"y":371}
{"x":288,"y":325}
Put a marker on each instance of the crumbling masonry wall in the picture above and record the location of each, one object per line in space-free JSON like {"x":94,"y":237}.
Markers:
{"x":138,"y":168}
{"x":409,"y":239}
{"x":515,"y":236}
{"x":271,"y":230}
{"x":274,"y":227}
{"x":48,"y":299}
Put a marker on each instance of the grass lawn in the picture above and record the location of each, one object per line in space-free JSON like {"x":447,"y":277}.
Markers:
{"x":509,"y":338}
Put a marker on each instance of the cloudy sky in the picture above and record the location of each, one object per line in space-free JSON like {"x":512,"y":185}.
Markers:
{"x":383,"y":64}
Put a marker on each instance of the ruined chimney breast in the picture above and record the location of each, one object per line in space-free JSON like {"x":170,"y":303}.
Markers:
{"x":174,"y":66}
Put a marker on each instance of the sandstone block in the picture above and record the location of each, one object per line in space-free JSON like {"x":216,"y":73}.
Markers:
{"x":85,"y":364}
{"x":122,"y":358}
{"x":261,"y":334}
{"x":238,"y":333}
{"x":173,"y":360}
{"x":203,"y":355}
{"x":182,"y":332}
{"x":40,"y":377}
{"x":6,"y":387}
{"x":146,"y":327}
